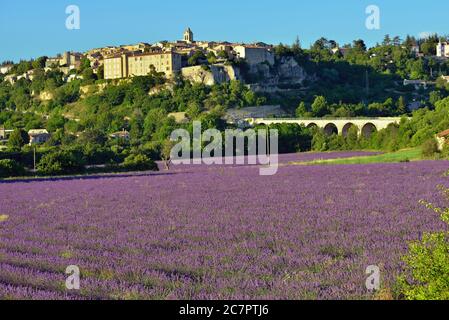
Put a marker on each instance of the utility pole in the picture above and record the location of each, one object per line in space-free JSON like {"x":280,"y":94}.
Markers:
{"x":34,"y":159}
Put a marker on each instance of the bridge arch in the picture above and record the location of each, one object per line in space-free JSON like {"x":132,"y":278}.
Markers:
{"x":368,"y":129}
{"x":348,"y":127}
{"x":330,"y":129}
{"x":312,"y":125}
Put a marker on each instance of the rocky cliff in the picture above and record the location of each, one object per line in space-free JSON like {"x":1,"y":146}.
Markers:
{"x":285,"y":72}
{"x":261,"y":77}
{"x":213,"y":74}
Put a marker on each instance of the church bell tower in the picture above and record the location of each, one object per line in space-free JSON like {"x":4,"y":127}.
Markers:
{"x":188,"y":36}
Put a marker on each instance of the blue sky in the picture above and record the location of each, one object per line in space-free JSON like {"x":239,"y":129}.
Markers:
{"x":29,"y":29}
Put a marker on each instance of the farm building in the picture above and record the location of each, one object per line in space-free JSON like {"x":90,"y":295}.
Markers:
{"x":443,"y":139}
{"x":38,"y":136}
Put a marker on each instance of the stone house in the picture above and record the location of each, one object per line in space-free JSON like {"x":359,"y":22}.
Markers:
{"x":443,"y":49}
{"x":254,"y":54}
{"x":4,"y":134}
{"x":443,"y":139}
{"x":6,"y":68}
{"x":38,"y":136}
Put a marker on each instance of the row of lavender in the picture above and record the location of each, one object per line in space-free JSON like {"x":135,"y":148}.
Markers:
{"x":282,"y":159}
{"x":305,"y":233}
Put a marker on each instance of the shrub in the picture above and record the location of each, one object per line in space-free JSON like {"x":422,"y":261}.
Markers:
{"x":60,"y":162}
{"x":430,"y":148}
{"x":10,"y":168}
{"x":426,"y":275}
{"x":139,"y":162}
{"x":445,"y":152}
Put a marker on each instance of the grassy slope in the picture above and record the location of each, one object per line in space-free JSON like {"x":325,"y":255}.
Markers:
{"x":399,"y":156}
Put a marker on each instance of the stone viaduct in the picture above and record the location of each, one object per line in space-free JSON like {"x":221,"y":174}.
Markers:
{"x":365,"y":126}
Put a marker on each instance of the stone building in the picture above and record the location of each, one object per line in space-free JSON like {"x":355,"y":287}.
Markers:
{"x":4,"y":134}
{"x":141,"y":64}
{"x":4,"y":69}
{"x":443,"y":49}
{"x":38,"y":136}
{"x":166,"y":62}
{"x":443,"y":139}
{"x":116,"y":67}
{"x":71,"y":60}
{"x":254,"y":54}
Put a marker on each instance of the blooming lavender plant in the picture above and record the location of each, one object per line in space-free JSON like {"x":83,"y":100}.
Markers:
{"x":205,"y":232}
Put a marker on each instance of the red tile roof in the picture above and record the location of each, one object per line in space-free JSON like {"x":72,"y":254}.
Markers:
{"x":443,"y":134}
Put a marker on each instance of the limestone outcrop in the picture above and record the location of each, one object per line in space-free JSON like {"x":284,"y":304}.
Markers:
{"x":210,"y":75}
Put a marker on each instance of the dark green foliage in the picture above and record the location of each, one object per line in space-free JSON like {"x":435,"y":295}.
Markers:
{"x":139,"y":162}
{"x":92,"y":136}
{"x":430,"y":148}
{"x":18,"y":139}
{"x":426,"y":274}
{"x":301,"y":111}
{"x":197,"y":58}
{"x":293,"y":138}
{"x":319,"y":106}
{"x":10,"y":168}
{"x":61,"y":162}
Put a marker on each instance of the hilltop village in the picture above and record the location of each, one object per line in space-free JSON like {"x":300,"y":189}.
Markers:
{"x":262,"y":65}
{"x":180,"y":56}
{"x":170,"y":58}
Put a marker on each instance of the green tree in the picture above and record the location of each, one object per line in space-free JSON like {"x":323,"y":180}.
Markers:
{"x":193,"y":110}
{"x":100,"y":72}
{"x":417,"y":70}
{"x":352,"y":138}
{"x":39,"y":63}
{"x":387,"y":40}
{"x":196,"y":58}
{"x":166,"y":149}
{"x":301,"y":111}
{"x":319,"y":141}
{"x":85,"y":64}
{"x":10,"y":168}
{"x":430,"y":148}
{"x":401,"y":106}
{"x":18,"y":139}
{"x":89,"y":76}
{"x":136,"y":125}
{"x":359,"y":45}
{"x":211,"y":57}
{"x":56,"y":121}
{"x":222,"y":54}
{"x":60,"y":162}
{"x":92,"y":136}
{"x":152,"y":122}
{"x":319,"y":106}
{"x":434,"y":97}
{"x":139,"y":162}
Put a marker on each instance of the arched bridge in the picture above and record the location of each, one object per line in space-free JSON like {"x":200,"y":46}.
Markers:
{"x":365,"y":126}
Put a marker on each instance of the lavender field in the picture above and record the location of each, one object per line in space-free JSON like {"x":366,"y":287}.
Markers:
{"x":197,"y":232}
